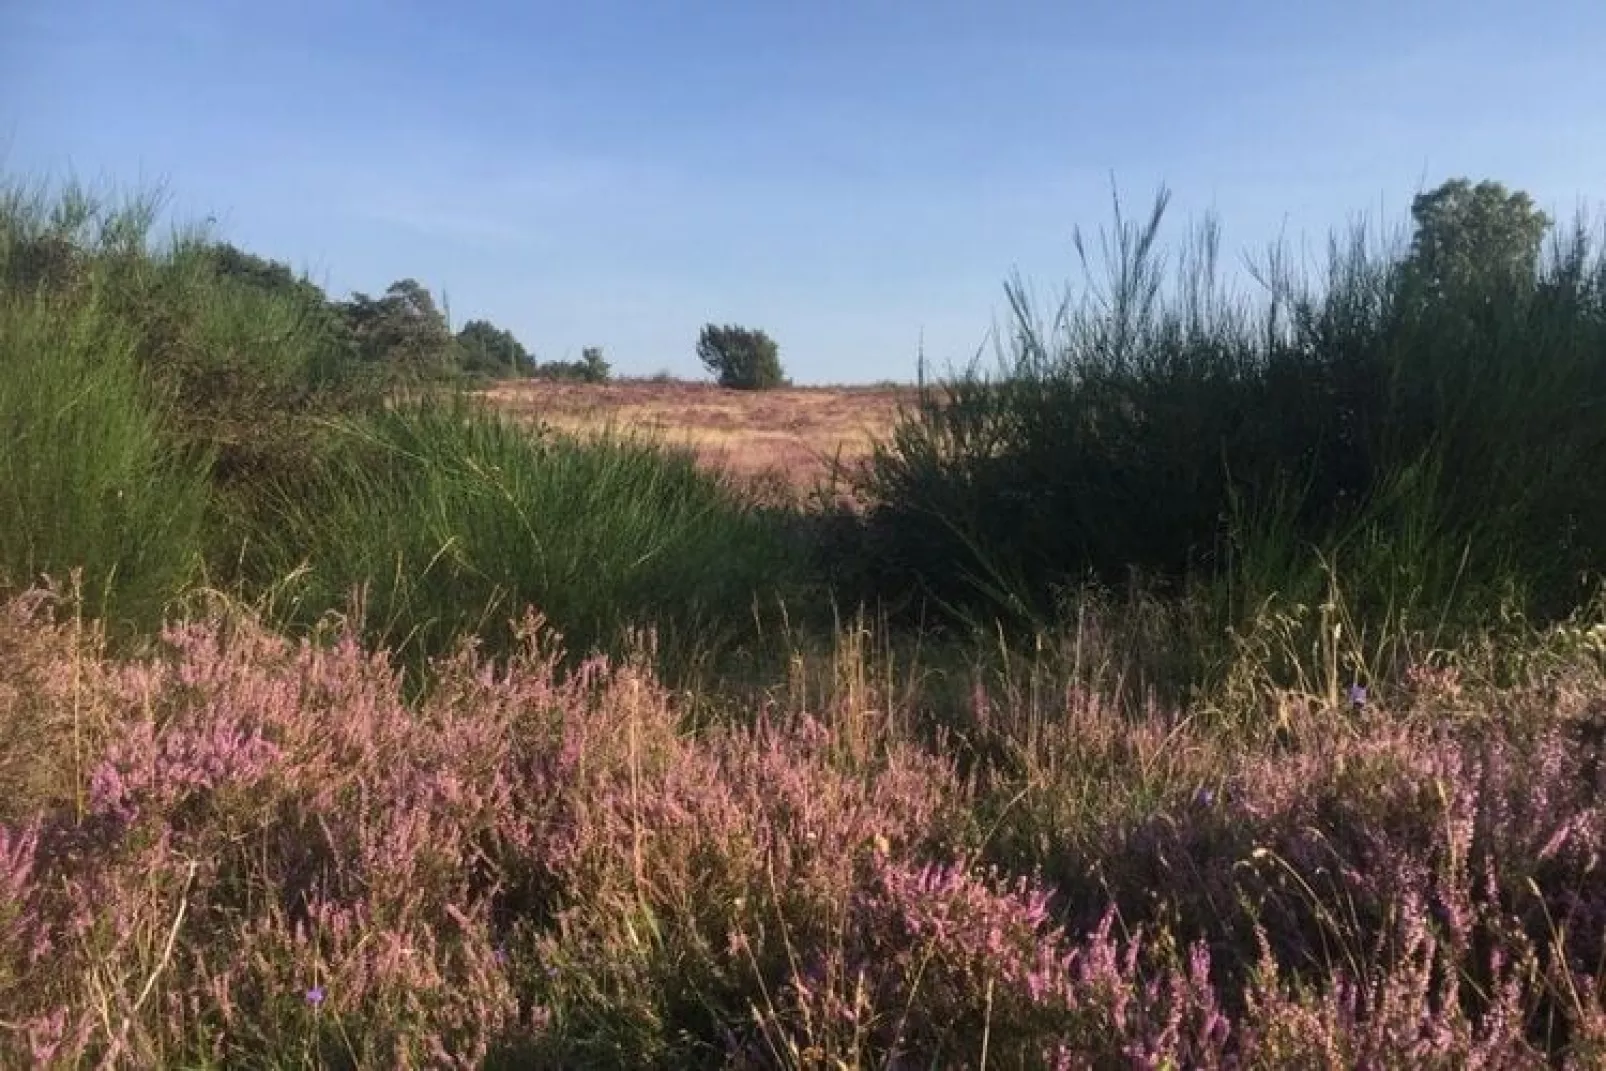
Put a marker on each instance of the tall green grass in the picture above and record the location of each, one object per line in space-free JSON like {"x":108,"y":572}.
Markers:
{"x":239,"y":348}
{"x":90,"y":482}
{"x":180,"y":410}
{"x":450,"y":521}
{"x":1155,"y":428}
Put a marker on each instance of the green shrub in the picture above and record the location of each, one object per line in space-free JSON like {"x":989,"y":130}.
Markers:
{"x":741,"y":357}
{"x":590,"y":368}
{"x":594,"y":367}
{"x":488,"y":350}
{"x":89,"y":480}
{"x":1438,"y":452}
{"x":241,"y":346}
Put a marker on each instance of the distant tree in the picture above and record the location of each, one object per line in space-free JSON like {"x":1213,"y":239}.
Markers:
{"x":483,"y":347}
{"x":404,"y":329}
{"x":742,"y":358}
{"x":277,"y":278}
{"x":274,"y":276}
{"x":593,"y":369}
{"x":1472,"y":240}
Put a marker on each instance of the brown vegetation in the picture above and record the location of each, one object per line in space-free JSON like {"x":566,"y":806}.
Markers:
{"x":788,"y":436}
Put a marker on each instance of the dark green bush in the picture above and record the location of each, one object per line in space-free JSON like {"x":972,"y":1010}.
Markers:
{"x":1439,"y":447}
{"x":592,"y":367}
{"x":741,"y":357}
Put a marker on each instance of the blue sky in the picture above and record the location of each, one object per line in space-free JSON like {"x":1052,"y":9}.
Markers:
{"x":845,"y":175}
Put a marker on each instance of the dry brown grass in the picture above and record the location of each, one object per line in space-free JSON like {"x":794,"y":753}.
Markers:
{"x":781,"y":438}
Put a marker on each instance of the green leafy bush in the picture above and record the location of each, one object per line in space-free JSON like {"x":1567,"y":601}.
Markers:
{"x":590,"y":368}
{"x":489,"y":350}
{"x":1437,"y":443}
{"x":741,"y":357}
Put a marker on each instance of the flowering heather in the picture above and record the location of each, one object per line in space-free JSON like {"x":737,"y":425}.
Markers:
{"x":239,"y":849}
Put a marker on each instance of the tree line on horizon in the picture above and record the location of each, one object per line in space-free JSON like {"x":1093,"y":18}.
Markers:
{"x":405,"y":331}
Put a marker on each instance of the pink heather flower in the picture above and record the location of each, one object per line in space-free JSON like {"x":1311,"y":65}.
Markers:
{"x":45,"y":1036}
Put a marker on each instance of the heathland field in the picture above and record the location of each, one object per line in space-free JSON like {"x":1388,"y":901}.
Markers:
{"x":788,"y":437}
{"x":1218,"y":681}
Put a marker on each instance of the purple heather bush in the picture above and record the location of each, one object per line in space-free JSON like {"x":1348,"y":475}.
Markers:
{"x":238,"y":849}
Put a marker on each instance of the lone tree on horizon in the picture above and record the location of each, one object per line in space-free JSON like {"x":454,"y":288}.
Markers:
{"x":742,"y":358}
